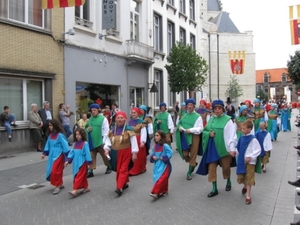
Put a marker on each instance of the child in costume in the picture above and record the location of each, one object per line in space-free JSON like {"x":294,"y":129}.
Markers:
{"x":248,"y":149}
{"x":161,"y":155}
{"x":80,"y":155}
{"x":264,"y":139}
{"x":56,"y":147}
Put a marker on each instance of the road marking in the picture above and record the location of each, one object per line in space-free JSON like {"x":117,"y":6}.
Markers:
{"x":27,"y":186}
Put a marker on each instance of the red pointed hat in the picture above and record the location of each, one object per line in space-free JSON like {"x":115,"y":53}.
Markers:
{"x":137,"y":110}
{"x":120,"y":113}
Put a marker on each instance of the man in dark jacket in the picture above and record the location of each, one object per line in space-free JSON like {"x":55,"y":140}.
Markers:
{"x":46,"y":116}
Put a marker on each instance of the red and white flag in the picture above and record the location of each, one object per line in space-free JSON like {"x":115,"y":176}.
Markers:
{"x":295,"y":24}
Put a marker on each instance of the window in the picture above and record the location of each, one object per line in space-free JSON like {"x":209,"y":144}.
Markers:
{"x":158,"y":80}
{"x":266,"y":78}
{"x":171,"y":2}
{"x":193,"y":41}
{"x":83,"y":16}
{"x":171,"y":36}
{"x":15,"y":92}
{"x":28,"y":12}
{"x":157,"y":32}
{"x":182,"y":6}
{"x":172,"y":97}
{"x":192,"y":10}
{"x":134,"y":20}
{"x":87,"y":94}
{"x":283,"y":77}
{"x":182,"y":38}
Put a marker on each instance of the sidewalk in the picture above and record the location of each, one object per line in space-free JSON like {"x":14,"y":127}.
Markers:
{"x":273,"y":199}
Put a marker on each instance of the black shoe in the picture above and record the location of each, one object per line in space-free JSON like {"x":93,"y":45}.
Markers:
{"x":125,"y":186}
{"x":262,"y":166}
{"x":90,"y":174}
{"x":38,"y":150}
{"x":212,"y":194}
{"x":297,"y":147}
{"x":69,"y":144}
{"x":108,"y":170}
{"x":9,"y":139}
{"x":14,"y":125}
{"x":298,"y":169}
{"x":298,"y":207}
{"x":118,"y":191}
{"x":295,"y":183}
{"x":297,"y":223}
{"x":228,"y":188}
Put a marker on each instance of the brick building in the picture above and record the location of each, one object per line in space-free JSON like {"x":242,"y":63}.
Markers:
{"x":31,"y":64}
{"x":276,"y":84}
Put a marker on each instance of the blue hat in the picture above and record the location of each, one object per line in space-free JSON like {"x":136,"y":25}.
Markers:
{"x":183,"y":104}
{"x":242,"y":108}
{"x":256,"y":100}
{"x":190,"y":100}
{"x":162,"y":104}
{"x":217,"y":102}
{"x":274,"y":106}
{"x":94,"y":106}
{"x":143,"y":107}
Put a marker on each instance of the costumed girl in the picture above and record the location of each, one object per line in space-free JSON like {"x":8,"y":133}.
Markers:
{"x":272,"y":122}
{"x":123,"y":150}
{"x":81,"y":158}
{"x":139,"y":127}
{"x":149,"y":127}
{"x":56,"y":147}
{"x":161,"y":155}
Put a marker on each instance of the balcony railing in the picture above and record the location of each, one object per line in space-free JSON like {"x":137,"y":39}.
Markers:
{"x":83,"y":22}
{"x":138,"y":49}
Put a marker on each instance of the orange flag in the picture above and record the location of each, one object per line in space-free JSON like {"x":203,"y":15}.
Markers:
{"x":49,"y":4}
{"x":295,"y":24}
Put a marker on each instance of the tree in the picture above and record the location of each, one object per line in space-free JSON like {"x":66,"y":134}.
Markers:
{"x":262,"y":95}
{"x":187,"y":70}
{"x":294,"y":68}
{"x":234,"y":90}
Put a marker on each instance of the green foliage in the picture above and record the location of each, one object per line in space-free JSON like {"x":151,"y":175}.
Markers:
{"x":294,"y":67}
{"x":234,"y":90}
{"x":262,"y":95}
{"x":187,"y":70}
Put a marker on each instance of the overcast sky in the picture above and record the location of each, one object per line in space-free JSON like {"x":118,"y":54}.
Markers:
{"x":269,"y":21}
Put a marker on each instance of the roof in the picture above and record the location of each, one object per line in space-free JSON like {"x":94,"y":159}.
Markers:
{"x":213,"y":5}
{"x":224,"y":23}
{"x":275,"y":74}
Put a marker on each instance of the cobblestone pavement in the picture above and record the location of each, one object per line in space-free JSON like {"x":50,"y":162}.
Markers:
{"x":273,"y":199}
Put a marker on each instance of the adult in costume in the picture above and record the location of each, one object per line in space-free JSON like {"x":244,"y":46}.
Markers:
{"x":164,"y":122}
{"x":260,"y":114}
{"x":81,"y":158}
{"x":229,"y":109}
{"x":187,"y":136}
{"x":272,"y":122}
{"x":139,"y":127}
{"x":97,"y":129}
{"x":264,"y":139}
{"x":249,"y":107}
{"x":203,"y":112}
{"x":240,"y":119}
{"x":181,"y":112}
{"x":149,"y":127}
{"x":285,"y":114}
{"x":56,"y":147}
{"x":123,"y":150}
{"x":219,"y":141}
{"x":161,"y":155}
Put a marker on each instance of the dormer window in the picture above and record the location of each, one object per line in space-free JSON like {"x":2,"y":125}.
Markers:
{"x":284,"y":77}
{"x":266,"y":77}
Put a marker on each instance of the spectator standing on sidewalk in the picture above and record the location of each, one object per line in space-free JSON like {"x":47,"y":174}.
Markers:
{"x":64,"y":115}
{"x":35,"y":125}
{"x":83,"y":121}
{"x":46,"y":115}
{"x":7,"y":120}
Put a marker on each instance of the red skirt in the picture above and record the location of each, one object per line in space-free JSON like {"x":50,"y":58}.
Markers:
{"x":123,"y":159}
{"x":162,"y":184}
{"x":56,"y":176}
{"x":139,"y":165}
{"x":80,"y":179}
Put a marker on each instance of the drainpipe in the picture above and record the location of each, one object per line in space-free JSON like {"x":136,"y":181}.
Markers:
{"x":218,"y":68}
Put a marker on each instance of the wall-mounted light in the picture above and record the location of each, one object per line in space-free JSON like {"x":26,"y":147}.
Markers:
{"x":69,"y":32}
{"x":153,"y":89}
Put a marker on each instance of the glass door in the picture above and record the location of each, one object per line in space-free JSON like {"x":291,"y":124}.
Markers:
{"x":136,"y":97}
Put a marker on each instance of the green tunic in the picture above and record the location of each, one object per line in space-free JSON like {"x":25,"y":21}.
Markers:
{"x":163,"y":116}
{"x":217,"y":125}
{"x":96,"y":123}
{"x":187,"y":122}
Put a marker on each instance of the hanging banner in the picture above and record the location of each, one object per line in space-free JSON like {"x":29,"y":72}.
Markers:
{"x":295,"y":24}
{"x":49,"y":4}
{"x":237,"y":61}
{"x":108,"y":14}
